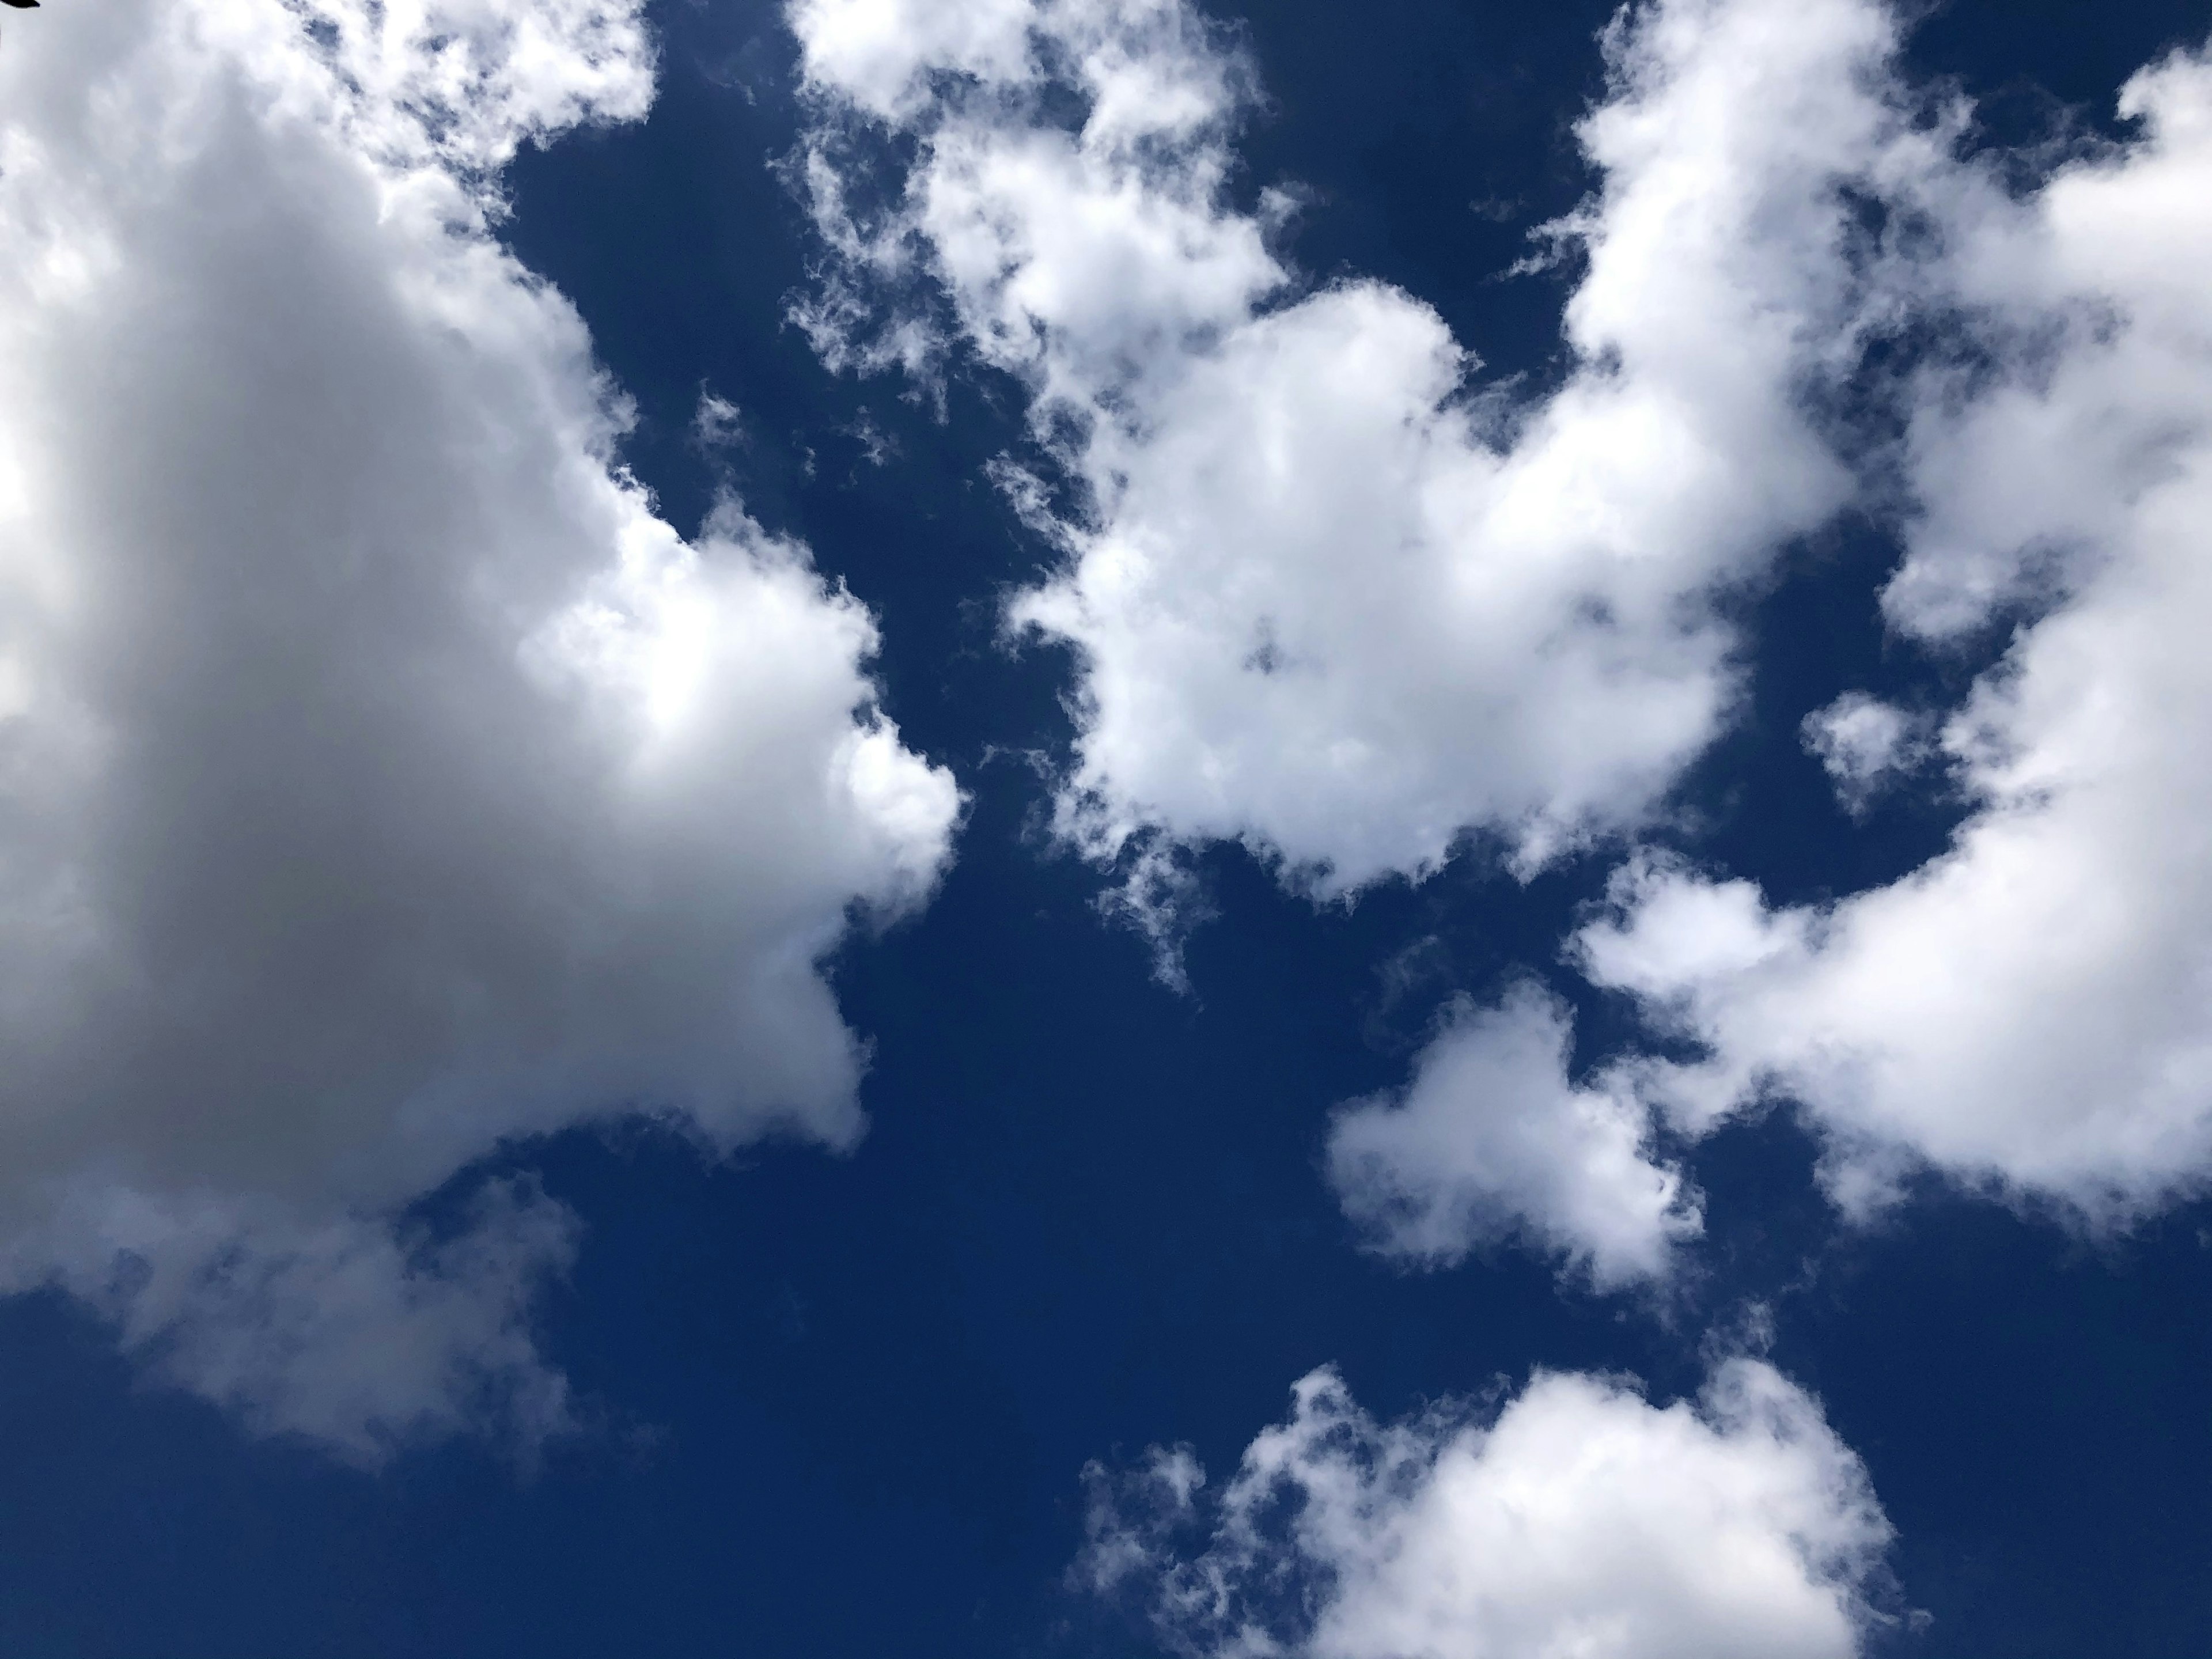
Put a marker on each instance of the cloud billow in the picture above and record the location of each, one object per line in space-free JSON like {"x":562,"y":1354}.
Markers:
{"x":379,"y":778}
{"x":1576,"y":1518}
{"x":2027,"y":1012}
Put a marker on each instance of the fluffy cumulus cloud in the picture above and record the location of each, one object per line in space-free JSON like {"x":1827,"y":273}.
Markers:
{"x":1490,"y":1139}
{"x":1329,"y":594}
{"x":1580,"y":1519}
{"x":379,"y":778}
{"x":2032,"y":1010}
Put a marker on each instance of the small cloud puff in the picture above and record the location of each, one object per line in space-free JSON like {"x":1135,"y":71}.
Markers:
{"x":1863,"y":743}
{"x":1490,"y":1140}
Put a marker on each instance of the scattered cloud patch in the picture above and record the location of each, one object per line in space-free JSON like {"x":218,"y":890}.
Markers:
{"x":1349,"y":631}
{"x":343,"y":1330}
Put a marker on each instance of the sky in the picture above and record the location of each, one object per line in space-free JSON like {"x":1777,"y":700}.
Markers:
{"x":1105,"y":828}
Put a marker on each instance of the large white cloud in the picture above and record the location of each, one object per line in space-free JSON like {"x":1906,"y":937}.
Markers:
{"x":2032,"y":1011}
{"x":1328,"y":595}
{"x":1582,"y":1520}
{"x":379,"y":778}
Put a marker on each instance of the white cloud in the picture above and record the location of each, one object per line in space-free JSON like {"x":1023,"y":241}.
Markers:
{"x":1490,"y":1139}
{"x":1331,"y":596}
{"x":379,"y":778}
{"x":1862,"y":743}
{"x":1328,"y":599}
{"x":2032,"y":1010}
{"x":1581,"y":1521}
{"x":879,"y":52}
{"x":1327,"y":603}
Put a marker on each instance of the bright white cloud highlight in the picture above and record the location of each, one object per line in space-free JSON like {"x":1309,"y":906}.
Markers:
{"x":379,"y":778}
{"x":1329,"y":596}
{"x":1582,"y":1520}
{"x":1491,"y":1140}
{"x":2032,"y":1011}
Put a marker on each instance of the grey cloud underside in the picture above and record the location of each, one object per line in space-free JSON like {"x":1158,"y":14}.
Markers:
{"x":379,"y":777}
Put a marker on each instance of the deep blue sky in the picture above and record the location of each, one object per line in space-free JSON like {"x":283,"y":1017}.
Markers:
{"x":843,"y":1404}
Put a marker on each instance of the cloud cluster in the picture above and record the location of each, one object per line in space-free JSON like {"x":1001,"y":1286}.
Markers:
{"x":2027,"y":1012}
{"x":1329,"y":595}
{"x":379,"y":778}
{"x":2032,"y":1010}
{"x":1580,"y":1520}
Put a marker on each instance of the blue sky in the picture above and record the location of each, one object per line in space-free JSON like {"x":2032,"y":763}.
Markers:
{"x":793,"y":794}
